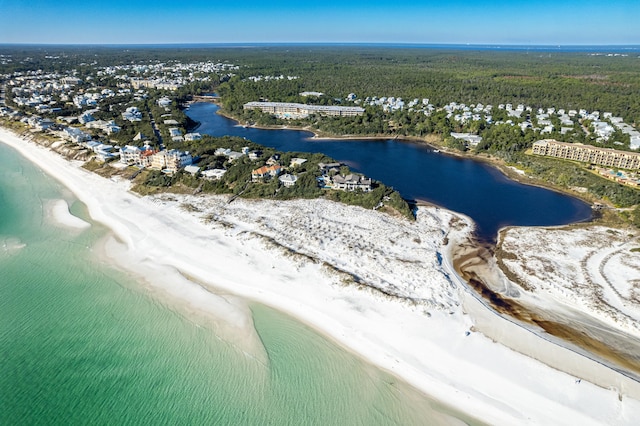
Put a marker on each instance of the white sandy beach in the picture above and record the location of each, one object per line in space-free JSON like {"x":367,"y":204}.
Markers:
{"x":592,"y":270}
{"x":319,"y":261}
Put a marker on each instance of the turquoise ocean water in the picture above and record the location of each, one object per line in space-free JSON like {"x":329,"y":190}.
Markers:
{"x":82,"y":342}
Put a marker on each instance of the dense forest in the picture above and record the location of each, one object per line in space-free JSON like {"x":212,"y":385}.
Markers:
{"x":537,"y":78}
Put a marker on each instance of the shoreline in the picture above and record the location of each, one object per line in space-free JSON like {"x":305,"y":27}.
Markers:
{"x":460,"y":370}
{"x":317,"y":135}
{"x":432,"y":141}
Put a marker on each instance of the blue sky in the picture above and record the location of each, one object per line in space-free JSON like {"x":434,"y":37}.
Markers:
{"x":354,"y":21}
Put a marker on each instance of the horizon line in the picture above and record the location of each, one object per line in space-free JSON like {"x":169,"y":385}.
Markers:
{"x":322,"y":43}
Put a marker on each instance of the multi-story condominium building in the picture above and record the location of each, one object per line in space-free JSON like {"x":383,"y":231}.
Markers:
{"x":72,"y":81}
{"x":138,"y":83}
{"x":588,"y":154}
{"x":130,"y":155}
{"x":293,"y":110}
{"x":134,"y":156}
{"x":171,"y":161}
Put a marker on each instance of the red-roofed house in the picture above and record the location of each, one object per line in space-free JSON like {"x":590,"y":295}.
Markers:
{"x":266,"y":171}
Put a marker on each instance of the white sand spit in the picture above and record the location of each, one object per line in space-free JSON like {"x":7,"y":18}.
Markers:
{"x":59,"y":212}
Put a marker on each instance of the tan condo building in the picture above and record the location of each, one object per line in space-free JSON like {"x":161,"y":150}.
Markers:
{"x":588,"y":154}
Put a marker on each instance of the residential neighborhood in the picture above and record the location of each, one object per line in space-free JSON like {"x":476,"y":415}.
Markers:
{"x":128,"y":114}
{"x":108,"y":114}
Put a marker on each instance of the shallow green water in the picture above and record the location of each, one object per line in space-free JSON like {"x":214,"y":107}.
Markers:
{"x":83,"y":343}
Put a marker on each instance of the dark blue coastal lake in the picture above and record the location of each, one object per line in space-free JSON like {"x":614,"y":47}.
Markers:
{"x":417,"y":172}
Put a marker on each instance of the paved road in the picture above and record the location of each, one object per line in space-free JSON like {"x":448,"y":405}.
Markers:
{"x":156,"y":131}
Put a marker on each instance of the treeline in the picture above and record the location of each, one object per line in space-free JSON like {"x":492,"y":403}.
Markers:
{"x":569,"y":80}
{"x":539,"y":79}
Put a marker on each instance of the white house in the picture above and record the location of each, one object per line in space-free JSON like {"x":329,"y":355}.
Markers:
{"x":130,"y":154}
{"x":295,"y":162}
{"x":469,"y":138}
{"x":86,"y":118}
{"x":213,"y":174}
{"x":192,"y":170}
{"x":76,"y":135}
{"x":132,"y":114}
{"x":164,"y":102}
{"x":288,"y":180}
{"x":254,"y":155}
{"x":170,"y":161}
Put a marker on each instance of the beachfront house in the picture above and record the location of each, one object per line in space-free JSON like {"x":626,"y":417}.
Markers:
{"x":274,"y":159}
{"x":295,"y":162}
{"x":134,"y":156}
{"x":170,"y":161}
{"x":147,"y":155}
{"x":213,"y":174}
{"x":105,"y":153}
{"x":42,"y":125}
{"x":231,"y":155}
{"x":192,"y":170}
{"x":350,"y":182}
{"x":327,"y":168}
{"x":75,"y":135}
{"x":288,"y":180}
{"x":130,"y":154}
{"x":255,"y":155}
{"x":265,"y":172}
